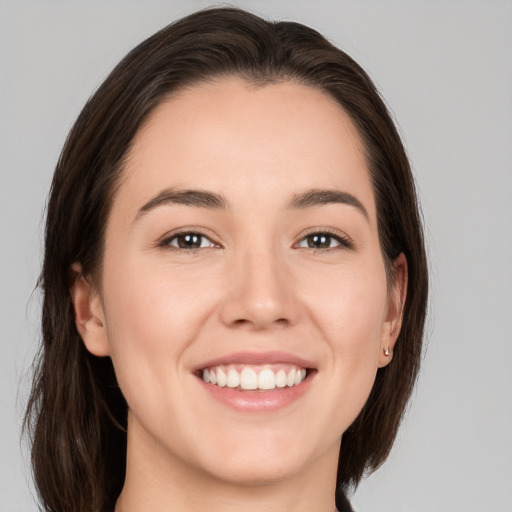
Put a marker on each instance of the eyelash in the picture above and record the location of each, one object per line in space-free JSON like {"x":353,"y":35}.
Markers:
{"x":344,"y":241}
{"x":166,"y":242}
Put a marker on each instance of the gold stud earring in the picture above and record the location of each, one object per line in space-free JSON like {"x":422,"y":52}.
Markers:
{"x":387,"y":351}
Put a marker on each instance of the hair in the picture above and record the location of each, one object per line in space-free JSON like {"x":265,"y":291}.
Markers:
{"x":76,"y":415}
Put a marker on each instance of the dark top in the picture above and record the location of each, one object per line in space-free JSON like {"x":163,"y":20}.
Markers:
{"x":342,"y":504}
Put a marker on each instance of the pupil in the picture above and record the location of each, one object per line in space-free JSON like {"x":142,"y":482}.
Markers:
{"x":190,"y":241}
{"x":319,"y":241}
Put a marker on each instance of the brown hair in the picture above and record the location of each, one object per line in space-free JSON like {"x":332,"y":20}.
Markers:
{"x":76,"y":414}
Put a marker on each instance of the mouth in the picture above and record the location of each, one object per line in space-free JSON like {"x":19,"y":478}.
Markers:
{"x":256,"y":382}
{"x":245,"y":377}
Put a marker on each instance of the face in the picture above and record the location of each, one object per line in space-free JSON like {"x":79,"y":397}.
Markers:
{"x":243,"y":298}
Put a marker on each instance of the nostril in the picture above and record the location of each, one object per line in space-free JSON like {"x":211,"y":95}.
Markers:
{"x":249,"y":310}
{"x":279,"y":321}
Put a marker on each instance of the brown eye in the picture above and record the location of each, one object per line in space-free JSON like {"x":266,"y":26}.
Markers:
{"x":319,"y":241}
{"x":324,"y":241}
{"x":188,"y":241}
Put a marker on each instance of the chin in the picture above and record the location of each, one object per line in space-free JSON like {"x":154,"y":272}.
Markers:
{"x":264,"y":457}
{"x":263,"y":470}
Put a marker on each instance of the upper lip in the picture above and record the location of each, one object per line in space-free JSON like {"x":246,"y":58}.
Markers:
{"x":256,"y":358}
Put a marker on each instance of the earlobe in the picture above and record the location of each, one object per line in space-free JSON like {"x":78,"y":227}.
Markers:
{"x":395,"y":308}
{"x":89,"y":317}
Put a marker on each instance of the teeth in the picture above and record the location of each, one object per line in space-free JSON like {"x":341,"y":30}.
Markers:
{"x":233,"y":379}
{"x":248,"y":379}
{"x":266,"y":379}
{"x":253,"y":378}
{"x":222,"y":380}
{"x":281,"y":378}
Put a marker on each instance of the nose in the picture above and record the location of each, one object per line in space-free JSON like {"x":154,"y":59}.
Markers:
{"x":260,"y":293}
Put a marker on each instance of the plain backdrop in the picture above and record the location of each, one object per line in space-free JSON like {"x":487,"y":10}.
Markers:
{"x":444,"y":68}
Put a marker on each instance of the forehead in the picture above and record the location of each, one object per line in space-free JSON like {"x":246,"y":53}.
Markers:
{"x":262,"y":142}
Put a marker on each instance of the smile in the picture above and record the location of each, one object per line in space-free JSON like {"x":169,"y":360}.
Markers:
{"x":257,"y":382}
{"x":254,"y":377}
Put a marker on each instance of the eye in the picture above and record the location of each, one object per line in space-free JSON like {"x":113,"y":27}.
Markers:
{"x":324,"y":241}
{"x":187,"y":240}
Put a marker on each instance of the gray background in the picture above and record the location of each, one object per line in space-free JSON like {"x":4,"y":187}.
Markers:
{"x":445,"y":69}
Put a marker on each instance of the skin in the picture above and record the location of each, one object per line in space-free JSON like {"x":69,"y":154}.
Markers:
{"x":255,"y":285}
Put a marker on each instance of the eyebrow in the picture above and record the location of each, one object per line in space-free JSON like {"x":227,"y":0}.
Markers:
{"x":321,"y":197}
{"x":198,"y":198}
{"x":211,"y":200}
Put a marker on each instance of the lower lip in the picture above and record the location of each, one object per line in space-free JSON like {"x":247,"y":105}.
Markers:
{"x":258,"y":401}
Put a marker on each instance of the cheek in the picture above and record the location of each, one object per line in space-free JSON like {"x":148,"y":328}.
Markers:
{"x":349,"y":306}
{"x":349,"y":310}
{"x":154,"y":312}
{"x":154,"y":301}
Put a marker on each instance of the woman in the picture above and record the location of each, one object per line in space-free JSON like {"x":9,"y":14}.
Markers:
{"x":234,"y":279}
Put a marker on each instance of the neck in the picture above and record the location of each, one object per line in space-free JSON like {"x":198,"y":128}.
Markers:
{"x":159,"y":481}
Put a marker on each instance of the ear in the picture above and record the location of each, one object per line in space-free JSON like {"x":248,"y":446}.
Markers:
{"x":89,"y":316}
{"x":395,"y":307}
